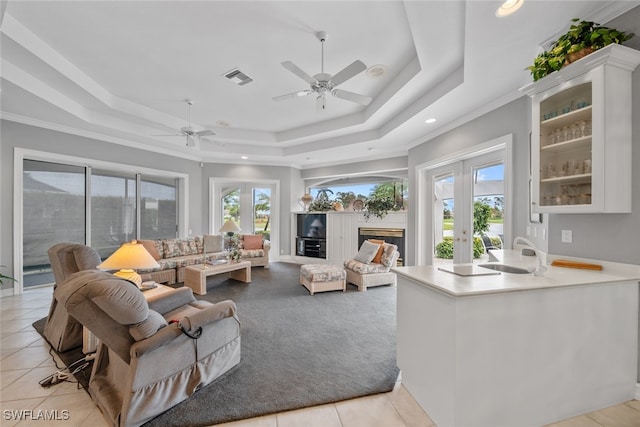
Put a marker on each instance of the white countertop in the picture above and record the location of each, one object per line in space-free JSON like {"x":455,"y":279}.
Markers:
{"x":554,"y":277}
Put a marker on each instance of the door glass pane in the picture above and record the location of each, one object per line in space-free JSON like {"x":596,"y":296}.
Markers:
{"x":113,"y":210}
{"x":231,"y":204}
{"x":262,"y":212}
{"x":53,"y":212}
{"x":158,"y":208}
{"x":443,"y":218}
{"x":488,"y":209}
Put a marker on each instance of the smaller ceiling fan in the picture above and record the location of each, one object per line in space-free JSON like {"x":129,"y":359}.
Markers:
{"x":324,"y":84}
{"x":188,"y":132}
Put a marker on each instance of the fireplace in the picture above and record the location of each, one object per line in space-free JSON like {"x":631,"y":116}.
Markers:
{"x":394,"y":236}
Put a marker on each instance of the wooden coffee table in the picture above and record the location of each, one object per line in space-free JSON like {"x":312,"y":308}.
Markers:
{"x":195,"y":276}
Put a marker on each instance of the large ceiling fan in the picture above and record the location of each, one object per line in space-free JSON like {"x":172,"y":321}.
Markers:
{"x":323,"y":84}
{"x":188,"y":132}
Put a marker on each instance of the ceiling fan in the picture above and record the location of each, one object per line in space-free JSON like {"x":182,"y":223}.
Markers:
{"x":188,"y":132}
{"x":323,"y":84}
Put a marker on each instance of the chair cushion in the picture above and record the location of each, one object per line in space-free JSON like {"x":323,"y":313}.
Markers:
{"x":148,"y":327}
{"x":252,"y":241}
{"x":378,"y":258}
{"x":322,"y":272}
{"x":363,"y":268}
{"x":367,"y":252}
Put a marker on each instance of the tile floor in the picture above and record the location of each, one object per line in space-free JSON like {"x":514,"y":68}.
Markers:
{"x":25,"y":360}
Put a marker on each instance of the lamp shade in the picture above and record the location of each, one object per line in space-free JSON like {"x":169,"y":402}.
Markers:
{"x":229,"y":227}
{"x":131,"y":255}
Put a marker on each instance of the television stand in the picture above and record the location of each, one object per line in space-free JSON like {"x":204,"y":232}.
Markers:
{"x":311,"y":247}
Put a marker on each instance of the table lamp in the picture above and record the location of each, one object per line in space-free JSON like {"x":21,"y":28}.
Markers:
{"x":131,"y":255}
{"x":229,"y":227}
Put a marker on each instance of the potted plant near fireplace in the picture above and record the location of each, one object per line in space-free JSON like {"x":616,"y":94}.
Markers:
{"x":583,"y":38}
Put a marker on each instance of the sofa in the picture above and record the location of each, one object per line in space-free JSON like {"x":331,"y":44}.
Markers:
{"x":174,"y":255}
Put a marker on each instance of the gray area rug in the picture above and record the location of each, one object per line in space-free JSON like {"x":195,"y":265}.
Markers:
{"x":298,"y":350}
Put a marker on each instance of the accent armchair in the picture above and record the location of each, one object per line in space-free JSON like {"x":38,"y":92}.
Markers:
{"x":365,"y":274}
{"x":61,"y":330}
{"x":152,"y":355}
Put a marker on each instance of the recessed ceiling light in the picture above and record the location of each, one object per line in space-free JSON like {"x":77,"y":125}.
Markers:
{"x":244,"y":157}
{"x":508,"y":7}
{"x":431,"y":120}
{"x":377,"y":71}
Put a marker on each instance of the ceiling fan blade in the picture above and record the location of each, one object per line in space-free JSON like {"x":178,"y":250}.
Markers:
{"x":168,"y":134}
{"x":205,"y":132}
{"x":293,"y":95}
{"x":350,"y":96}
{"x":348,"y":72}
{"x":298,"y":72}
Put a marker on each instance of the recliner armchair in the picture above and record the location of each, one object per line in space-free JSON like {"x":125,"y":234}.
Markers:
{"x":61,"y":330}
{"x":152,"y":355}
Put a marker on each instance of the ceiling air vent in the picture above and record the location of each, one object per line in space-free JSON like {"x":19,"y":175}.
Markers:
{"x":238,"y":77}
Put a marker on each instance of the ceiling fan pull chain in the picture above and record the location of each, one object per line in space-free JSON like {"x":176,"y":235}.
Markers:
{"x":322,"y":56}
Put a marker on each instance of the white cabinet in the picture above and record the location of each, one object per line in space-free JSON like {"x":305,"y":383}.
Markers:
{"x":581,"y":135}
{"x":342,"y":236}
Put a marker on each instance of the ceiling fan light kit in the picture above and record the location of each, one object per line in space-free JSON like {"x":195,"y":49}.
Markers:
{"x":323,"y":84}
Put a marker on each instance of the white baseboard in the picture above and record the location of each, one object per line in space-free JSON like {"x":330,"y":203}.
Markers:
{"x":637,"y":394}
{"x":6,"y":292}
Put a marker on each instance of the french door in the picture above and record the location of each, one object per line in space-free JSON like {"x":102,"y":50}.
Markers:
{"x":251,"y":204}
{"x":467,"y":200}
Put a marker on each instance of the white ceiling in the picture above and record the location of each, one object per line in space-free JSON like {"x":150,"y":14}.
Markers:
{"x":120,"y":71}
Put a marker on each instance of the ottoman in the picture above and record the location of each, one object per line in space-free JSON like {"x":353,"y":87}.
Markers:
{"x":323,"y":277}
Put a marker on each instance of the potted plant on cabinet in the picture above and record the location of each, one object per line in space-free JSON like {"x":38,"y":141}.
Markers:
{"x":379,"y":206}
{"x":583,"y":38}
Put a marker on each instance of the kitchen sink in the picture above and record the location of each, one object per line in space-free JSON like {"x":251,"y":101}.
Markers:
{"x":505,"y":268}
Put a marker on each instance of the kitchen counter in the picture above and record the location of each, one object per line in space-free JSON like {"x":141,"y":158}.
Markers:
{"x":454,"y":285}
{"x":516,"y":349}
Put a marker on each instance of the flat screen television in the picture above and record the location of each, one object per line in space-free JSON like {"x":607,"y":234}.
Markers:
{"x":312,"y":225}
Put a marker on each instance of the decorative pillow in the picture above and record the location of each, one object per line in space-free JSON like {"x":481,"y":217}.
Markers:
{"x":148,"y":327}
{"x":252,"y":241}
{"x":389,"y":256}
{"x":213,"y":243}
{"x":170,"y":248}
{"x":150,"y":246}
{"x":367,"y":251}
{"x":378,"y":258}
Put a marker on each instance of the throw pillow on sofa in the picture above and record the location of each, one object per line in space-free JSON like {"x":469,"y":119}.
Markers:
{"x":152,"y":248}
{"x":213,"y":243}
{"x":252,"y":242}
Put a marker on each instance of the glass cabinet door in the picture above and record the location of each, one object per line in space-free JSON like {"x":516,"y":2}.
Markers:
{"x":566,"y":148}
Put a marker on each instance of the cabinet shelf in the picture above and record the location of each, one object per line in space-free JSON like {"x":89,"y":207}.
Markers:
{"x":567,"y":118}
{"x":583,"y":177}
{"x":576,"y":143}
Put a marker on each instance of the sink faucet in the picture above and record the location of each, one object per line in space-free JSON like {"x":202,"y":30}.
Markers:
{"x":542,"y":257}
